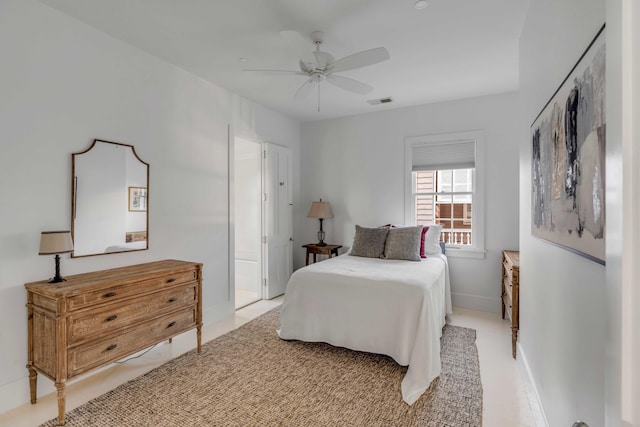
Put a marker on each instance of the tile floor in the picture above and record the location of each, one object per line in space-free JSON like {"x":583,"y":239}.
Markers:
{"x":245,"y":297}
{"x":505,"y":401}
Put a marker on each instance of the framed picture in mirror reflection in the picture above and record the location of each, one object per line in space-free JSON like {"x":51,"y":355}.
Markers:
{"x":137,"y":199}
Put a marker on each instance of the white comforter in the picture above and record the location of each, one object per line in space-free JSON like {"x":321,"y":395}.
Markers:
{"x":390,"y":307}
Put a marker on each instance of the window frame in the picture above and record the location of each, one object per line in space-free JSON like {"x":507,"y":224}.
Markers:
{"x":477,"y":248}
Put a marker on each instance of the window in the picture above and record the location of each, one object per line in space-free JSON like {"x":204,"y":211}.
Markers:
{"x":445,"y":186}
{"x":445,"y":197}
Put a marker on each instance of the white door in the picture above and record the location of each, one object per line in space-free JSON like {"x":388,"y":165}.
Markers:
{"x":278,"y":220}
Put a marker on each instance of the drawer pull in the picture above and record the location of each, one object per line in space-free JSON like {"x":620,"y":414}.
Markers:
{"x":173,"y":279}
{"x":111,"y":347}
{"x":172,"y":324}
{"x":112,"y":318}
{"x":173,"y":299}
{"x":110,"y":294}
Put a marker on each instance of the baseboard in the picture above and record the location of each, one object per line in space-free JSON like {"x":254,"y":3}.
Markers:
{"x":475,"y":302}
{"x":537,"y":411}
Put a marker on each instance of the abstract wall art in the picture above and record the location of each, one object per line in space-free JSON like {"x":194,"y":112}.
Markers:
{"x":568,"y":159}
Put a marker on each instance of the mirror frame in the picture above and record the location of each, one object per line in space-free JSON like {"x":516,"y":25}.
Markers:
{"x":73,"y":196}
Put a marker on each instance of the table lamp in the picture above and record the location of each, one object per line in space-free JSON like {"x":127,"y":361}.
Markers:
{"x":320,"y":210}
{"x":56,"y":242}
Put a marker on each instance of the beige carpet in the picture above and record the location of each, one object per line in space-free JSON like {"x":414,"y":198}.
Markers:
{"x":250,"y":377}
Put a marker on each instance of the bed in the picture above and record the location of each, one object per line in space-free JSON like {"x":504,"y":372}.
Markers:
{"x":128,"y":246}
{"x":391,"y":307}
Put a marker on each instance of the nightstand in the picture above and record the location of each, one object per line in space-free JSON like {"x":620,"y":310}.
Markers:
{"x":313,"y":248}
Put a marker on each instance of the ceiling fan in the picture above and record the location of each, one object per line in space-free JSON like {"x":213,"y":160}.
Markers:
{"x":322,"y":66}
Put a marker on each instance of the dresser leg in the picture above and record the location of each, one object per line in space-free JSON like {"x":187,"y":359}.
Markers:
{"x":61,"y":403}
{"x":33,"y":383}
{"x":199,"y":335}
{"x":170,"y":340}
{"x":514,"y":338}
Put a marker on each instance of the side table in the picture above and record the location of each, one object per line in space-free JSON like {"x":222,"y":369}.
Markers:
{"x":313,"y":248}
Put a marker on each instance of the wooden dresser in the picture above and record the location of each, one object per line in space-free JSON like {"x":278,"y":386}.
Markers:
{"x":94,"y":319}
{"x":511,"y":293}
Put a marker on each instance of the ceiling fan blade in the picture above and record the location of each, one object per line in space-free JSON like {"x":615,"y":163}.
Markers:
{"x":278,"y":72}
{"x":304,"y":90}
{"x":298,"y":44}
{"x":360,"y":59}
{"x":349,"y":84}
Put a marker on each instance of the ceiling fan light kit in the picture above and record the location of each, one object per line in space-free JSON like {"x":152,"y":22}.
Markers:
{"x":324,"y":66}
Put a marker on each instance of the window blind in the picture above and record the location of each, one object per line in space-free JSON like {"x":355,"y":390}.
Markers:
{"x":443,"y":155}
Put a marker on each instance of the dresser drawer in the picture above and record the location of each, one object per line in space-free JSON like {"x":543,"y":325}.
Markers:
{"x":507,"y":284}
{"x":508,"y":305}
{"x":99,"y":353}
{"x":507,"y":267}
{"x":118,"y":292}
{"x":114,"y":316}
{"x":508,"y":289}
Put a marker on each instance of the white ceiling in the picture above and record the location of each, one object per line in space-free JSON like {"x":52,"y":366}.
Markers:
{"x":452,"y":49}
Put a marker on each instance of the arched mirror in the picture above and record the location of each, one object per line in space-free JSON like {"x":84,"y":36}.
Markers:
{"x":109,"y":200}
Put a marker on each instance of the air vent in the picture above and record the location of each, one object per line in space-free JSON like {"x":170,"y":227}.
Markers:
{"x":380,"y":101}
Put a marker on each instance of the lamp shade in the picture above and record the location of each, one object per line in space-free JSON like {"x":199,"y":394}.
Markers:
{"x":55,"y":242}
{"x":320,"y":210}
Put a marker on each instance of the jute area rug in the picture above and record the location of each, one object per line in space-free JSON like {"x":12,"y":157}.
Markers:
{"x":250,"y":377}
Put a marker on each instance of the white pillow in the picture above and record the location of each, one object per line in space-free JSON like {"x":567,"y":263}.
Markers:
{"x":432,"y":239}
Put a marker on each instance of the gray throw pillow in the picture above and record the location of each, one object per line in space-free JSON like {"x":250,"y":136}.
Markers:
{"x":403,"y":243}
{"x":369,"y":242}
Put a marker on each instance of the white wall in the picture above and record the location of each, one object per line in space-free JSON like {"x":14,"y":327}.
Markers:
{"x":358,"y":165}
{"x":563,"y":310}
{"x":64,"y":84}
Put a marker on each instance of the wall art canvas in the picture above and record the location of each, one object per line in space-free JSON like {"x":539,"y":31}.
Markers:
{"x":568,"y":159}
